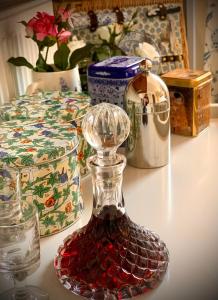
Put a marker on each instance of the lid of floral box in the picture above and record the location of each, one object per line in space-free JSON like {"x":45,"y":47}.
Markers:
{"x":61,"y":106}
{"x":32,"y":144}
{"x":116,"y":67}
{"x":186,"y":77}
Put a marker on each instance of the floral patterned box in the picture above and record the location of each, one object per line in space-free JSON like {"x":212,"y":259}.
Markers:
{"x":64,"y":107}
{"x":45,"y":155}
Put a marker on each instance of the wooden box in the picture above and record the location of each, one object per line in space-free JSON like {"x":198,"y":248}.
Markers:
{"x":190,"y":95}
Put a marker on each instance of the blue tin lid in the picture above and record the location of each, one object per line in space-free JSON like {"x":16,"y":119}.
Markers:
{"x":116,"y":67}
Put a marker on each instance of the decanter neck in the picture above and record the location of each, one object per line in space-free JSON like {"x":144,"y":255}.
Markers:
{"x":107,"y":181}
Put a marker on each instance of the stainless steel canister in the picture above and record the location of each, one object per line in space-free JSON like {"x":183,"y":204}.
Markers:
{"x":148,"y":107}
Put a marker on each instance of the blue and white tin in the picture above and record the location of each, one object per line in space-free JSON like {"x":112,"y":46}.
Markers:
{"x":107,"y":80}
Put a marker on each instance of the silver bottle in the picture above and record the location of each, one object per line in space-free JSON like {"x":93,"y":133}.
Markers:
{"x":148,"y":107}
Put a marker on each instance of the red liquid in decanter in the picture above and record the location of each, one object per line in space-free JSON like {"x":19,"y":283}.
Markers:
{"x":111,"y":258}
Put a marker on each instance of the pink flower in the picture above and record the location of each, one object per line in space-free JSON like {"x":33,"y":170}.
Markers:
{"x":29,"y":27}
{"x":42,"y":26}
{"x":63,"y":36}
{"x":46,"y":31}
{"x":64,"y":14}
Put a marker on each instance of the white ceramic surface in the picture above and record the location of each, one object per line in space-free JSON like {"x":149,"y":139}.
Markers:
{"x":68,"y":80}
{"x":180,"y":203}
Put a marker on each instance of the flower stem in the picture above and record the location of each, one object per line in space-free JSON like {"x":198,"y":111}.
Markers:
{"x":46,"y":54}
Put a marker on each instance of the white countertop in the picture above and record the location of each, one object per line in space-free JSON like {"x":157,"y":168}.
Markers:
{"x":180,"y":203}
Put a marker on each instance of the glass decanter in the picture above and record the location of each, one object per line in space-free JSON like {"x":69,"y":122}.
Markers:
{"x":111,"y":257}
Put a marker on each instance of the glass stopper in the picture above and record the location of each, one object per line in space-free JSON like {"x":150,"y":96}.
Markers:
{"x":105,"y":127}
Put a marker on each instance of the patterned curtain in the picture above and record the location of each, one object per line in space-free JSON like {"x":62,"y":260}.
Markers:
{"x":211,"y":45}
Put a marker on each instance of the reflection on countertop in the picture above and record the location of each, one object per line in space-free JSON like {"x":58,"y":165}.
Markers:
{"x":180,"y":203}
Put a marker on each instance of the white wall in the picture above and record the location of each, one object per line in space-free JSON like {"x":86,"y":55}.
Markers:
{"x":196,"y":12}
{"x":14,"y":80}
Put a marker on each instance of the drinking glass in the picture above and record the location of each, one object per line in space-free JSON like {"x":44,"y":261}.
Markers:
{"x":20,"y":252}
{"x":19,"y":239}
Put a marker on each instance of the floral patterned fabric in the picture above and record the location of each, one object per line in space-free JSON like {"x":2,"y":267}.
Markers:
{"x":211,"y":46}
{"x":45,"y":155}
{"x":164,"y":35}
{"x":34,"y":144}
{"x":39,"y":139}
{"x":64,"y":107}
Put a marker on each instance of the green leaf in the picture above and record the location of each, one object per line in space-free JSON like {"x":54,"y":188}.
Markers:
{"x":41,"y":152}
{"x":116,"y":51}
{"x":20,"y":150}
{"x":66,"y":192}
{"x":53,"y":179}
{"x":2,"y":183}
{"x":28,"y":187}
{"x":68,"y":223}
{"x":61,"y":57}
{"x":6,"y":116}
{"x":27,"y":160}
{"x":40,"y":206}
{"x":75,"y":197}
{"x":73,"y":164}
{"x":61,"y":217}
{"x":40,"y":190}
{"x":48,"y":41}
{"x":87,"y":151}
{"x":80,"y":54}
{"x":41,"y":65}
{"x":51,"y":153}
{"x":57,"y":195}
{"x":101,"y":53}
{"x":9,"y":160}
{"x":54,"y":164}
{"x":76,"y":210}
{"x":48,"y":232}
{"x":67,"y":117}
{"x":48,"y":221}
{"x":20,"y":61}
{"x":48,"y":143}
